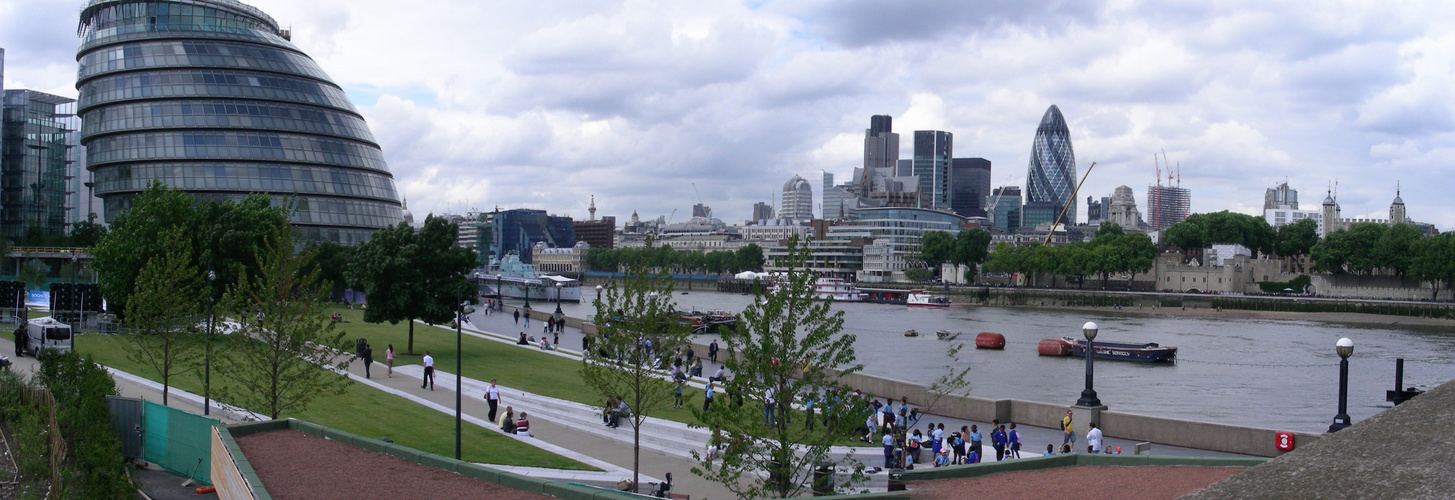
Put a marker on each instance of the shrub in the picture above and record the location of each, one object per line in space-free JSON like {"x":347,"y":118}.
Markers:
{"x":96,"y":467}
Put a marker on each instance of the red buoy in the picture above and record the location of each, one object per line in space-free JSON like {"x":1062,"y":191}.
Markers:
{"x":988,"y":340}
{"x":1053,"y":347}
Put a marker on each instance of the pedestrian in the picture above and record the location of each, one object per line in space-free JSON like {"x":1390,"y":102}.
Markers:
{"x":916,"y":442}
{"x":1050,"y":450}
{"x":389,"y":358}
{"x":368,"y":357}
{"x":769,"y":419}
{"x":677,"y":394}
{"x":517,"y":316}
{"x":712,"y":351}
{"x":1015,"y":441}
{"x":20,"y":340}
{"x":808,"y":411}
{"x":720,"y":375}
{"x":975,"y":442}
{"x":428,"y":371}
{"x":888,"y":450}
{"x":556,"y":339}
{"x":527,"y":320}
{"x":1093,"y":438}
{"x":707,"y":395}
{"x":492,"y":396}
{"x":998,"y":439}
{"x":697,"y":367}
{"x":550,"y":323}
{"x":1069,"y":436}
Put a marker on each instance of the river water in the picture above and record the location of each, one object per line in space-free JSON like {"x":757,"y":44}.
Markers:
{"x":1276,"y":374}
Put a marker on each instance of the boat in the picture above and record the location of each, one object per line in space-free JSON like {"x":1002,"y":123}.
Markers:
{"x":946,"y":335}
{"x":921,"y":298}
{"x":911,"y":333}
{"x":1150,"y":352}
{"x":831,"y":288}
{"x":712,"y":321}
{"x":989,"y":340}
{"x":515,"y":279}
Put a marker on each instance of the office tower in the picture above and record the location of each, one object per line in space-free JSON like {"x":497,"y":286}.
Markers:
{"x":762,"y":211}
{"x":969,"y":186}
{"x":797,"y":200}
{"x":905,"y":168}
{"x":1280,"y":197}
{"x":520,"y":229}
{"x":1051,"y":175}
{"x":1096,"y":209}
{"x":36,"y":155}
{"x":932,"y":152}
{"x":881,"y":152}
{"x":700,"y":210}
{"x":211,"y":97}
{"x":1004,"y":208}
{"x":1167,"y":205}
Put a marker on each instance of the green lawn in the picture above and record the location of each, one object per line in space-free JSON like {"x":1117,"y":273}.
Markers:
{"x":369,"y":412}
{"x":518,"y":367}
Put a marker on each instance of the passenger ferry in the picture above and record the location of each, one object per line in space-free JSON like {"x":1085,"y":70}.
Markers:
{"x":832,"y":288}
{"x":516,"y":279}
{"x":921,"y":298}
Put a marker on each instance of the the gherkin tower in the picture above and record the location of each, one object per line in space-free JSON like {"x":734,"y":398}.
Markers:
{"x":209,"y":96}
{"x":1051,"y":176}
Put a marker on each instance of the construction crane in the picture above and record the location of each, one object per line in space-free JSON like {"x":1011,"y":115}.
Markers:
{"x":1068,"y":204}
{"x":694,"y":191}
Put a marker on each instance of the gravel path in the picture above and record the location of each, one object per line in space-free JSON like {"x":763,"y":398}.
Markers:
{"x":1082,"y":483}
{"x":294,"y":465}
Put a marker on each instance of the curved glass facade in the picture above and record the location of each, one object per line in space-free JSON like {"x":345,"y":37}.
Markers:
{"x":1051,"y":177}
{"x":210,"y":97}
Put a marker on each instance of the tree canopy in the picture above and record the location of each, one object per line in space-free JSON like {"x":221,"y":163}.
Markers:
{"x":409,"y":275}
{"x":1201,"y":230}
{"x":667,"y":259}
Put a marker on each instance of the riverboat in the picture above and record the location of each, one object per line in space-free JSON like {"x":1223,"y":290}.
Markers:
{"x":1145,"y":353}
{"x":911,"y":333}
{"x":709,"y":321}
{"x":921,"y":298}
{"x":517,"y":280}
{"x":831,"y":288}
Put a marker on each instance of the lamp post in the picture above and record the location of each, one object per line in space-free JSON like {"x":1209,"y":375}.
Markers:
{"x":75,"y":275}
{"x":207,"y":357}
{"x":1345,"y":348}
{"x":559,"y":314}
{"x":459,"y":324}
{"x":1088,"y":396}
{"x":598,"y":293}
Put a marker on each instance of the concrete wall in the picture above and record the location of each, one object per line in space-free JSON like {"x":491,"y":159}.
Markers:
{"x":1377,"y":287}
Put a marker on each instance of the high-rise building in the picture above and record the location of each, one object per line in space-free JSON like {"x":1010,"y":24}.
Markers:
{"x":933,"y":150}
{"x":1004,"y":208}
{"x":211,"y":97}
{"x":520,"y":229}
{"x":1051,"y":175}
{"x":1167,"y":205}
{"x":762,"y":211}
{"x":839,"y":202}
{"x":701,"y":210}
{"x":597,"y":233}
{"x":1280,"y":197}
{"x":37,"y":135}
{"x":881,"y":152}
{"x":797,"y":200}
{"x":969,"y":186}
{"x":1096,"y":209}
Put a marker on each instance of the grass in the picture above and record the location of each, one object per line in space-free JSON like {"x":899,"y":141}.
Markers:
{"x":366,"y":411}
{"x":525,"y":368}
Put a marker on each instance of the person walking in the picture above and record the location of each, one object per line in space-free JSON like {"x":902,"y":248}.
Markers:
{"x":1069,"y":436}
{"x":975,"y":442}
{"x":712,"y":351}
{"x":707,"y":395}
{"x":1015,"y":441}
{"x":1093,"y":438}
{"x":368,"y":357}
{"x":428,"y":371}
{"x":389,"y":358}
{"x":997,"y":440}
{"x":492,"y":396}
{"x":517,"y":317}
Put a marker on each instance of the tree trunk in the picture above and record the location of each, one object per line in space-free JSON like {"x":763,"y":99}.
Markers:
{"x":636,"y":452}
{"x":410,"y":347}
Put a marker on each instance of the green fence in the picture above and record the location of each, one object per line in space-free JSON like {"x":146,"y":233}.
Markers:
{"x":178,"y":441}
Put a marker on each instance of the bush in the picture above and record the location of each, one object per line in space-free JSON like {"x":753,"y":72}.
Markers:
{"x":1298,"y":285}
{"x":96,"y":467}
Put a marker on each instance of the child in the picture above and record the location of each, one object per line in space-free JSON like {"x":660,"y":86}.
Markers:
{"x":957,"y":444}
{"x":1015,"y":441}
{"x":942,"y":458}
{"x":677,"y":395}
{"x":974,"y":457}
{"x":1050,"y":450}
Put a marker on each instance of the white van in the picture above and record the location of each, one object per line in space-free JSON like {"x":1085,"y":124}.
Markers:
{"x":47,"y":333}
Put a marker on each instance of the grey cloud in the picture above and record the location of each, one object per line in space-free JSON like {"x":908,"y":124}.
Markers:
{"x":858,"y":23}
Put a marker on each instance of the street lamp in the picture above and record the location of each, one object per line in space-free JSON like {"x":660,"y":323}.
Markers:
{"x":459,"y":325}
{"x":598,"y":293}
{"x":207,"y":358}
{"x":1088,"y":396}
{"x":1345,"y":348}
{"x":559,"y":314}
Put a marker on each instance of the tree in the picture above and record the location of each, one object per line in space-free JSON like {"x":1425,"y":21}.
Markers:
{"x":409,"y":275}
{"x":332,"y":262}
{"x":787,"y":346}
{"x":1187,"y":235}
{"x":287,"y":352}
{"x":917,"y":274}
{"x":641,"y":313}
{"x":936,"y":247}
{"x":1139,"y":254}
{"x":750,"y":258}
{"x":1109,"y":229}
{"x":972,"y":246}
{"x":165,"y":312}
{"x":87,"y":233}
{"x":1396,"y":248}
{"x":33,"y":273}
{"x":1292,"y":241}
{"x":444,"y":270}
{"x":1433,"y":260}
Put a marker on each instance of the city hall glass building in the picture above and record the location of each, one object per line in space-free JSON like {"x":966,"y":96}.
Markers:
{"x":1051,"y":176}
{"x":209,"y":96}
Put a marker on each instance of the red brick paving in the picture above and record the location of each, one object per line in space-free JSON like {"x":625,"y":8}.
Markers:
{"x":1081,"y":483}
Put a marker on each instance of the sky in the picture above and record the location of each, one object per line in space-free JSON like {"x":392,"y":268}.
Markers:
{"x":542,"y":104}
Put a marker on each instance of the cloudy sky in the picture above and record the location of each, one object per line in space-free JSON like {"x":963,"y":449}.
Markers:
{"x":542,"y":104}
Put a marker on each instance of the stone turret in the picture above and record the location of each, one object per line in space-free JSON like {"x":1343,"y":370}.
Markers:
{"x":1396,"y":209}
{"x":1330,"y":214}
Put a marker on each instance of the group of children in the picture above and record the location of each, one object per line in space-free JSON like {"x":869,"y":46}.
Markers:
{"x":904,"y":446}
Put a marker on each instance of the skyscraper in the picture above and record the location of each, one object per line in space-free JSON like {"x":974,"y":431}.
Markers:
{"x":701,"y":210}
{"x":1051,"y":175}
{"x":881,"y":152}
{"x":1167,"y":205}
{"x":1004,"y":209}
{"x":762,"y":211}
{"x":797,"y":200}
{"x":969,"y":186}
{"x":36,"y":154}
{"x":211,"y":97}
{"x":932,"y":152}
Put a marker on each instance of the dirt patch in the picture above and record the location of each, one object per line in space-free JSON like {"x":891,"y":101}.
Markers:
{"x":1082,"y":483}
{"x":297,"y":465}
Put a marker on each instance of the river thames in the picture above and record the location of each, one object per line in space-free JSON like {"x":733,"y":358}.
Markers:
{"x":1275,"y":374}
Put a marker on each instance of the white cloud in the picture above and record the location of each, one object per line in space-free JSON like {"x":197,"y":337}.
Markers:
{"x":542,"y":104}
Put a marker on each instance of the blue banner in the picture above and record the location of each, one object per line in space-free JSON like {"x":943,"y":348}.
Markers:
{"x":39,"y":298}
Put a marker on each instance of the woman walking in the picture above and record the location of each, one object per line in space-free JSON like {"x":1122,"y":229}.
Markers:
{"x":389,"y":357}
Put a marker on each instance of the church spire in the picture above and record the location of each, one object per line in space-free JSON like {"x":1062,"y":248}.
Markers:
{"x":593,"y":208}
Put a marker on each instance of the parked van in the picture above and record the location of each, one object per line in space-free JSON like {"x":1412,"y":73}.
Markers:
{"x":47,"y":333}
